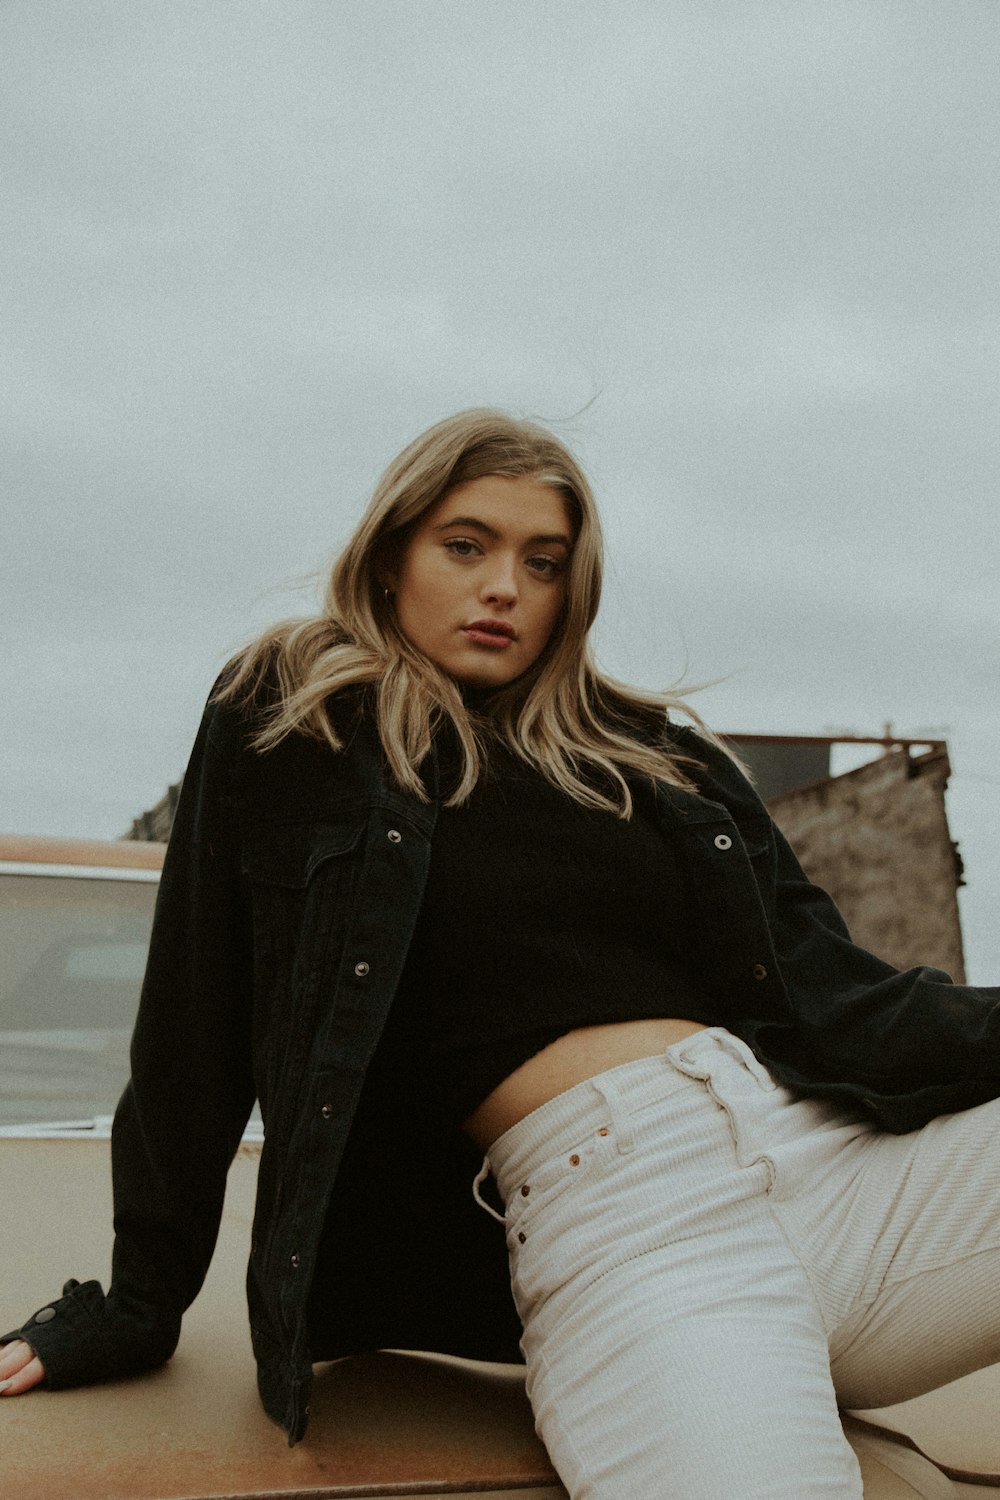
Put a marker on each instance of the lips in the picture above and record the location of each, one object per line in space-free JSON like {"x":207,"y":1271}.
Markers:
{"x":493,"y":627}
{"x":493,"y":633}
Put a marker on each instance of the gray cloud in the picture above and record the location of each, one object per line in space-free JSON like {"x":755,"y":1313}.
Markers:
{"x":249,"y":251}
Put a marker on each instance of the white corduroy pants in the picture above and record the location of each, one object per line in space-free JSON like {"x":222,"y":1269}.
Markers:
{"x":706,"y":1266}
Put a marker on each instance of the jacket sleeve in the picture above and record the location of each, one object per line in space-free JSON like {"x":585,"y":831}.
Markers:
{"x":908,"y":1043}
{"x":180,"y":1119}
{"x":910,"y":1035}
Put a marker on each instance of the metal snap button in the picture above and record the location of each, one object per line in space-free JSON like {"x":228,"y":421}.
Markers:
{"x":603,"y":1130}
{"x":525,"y":1190}
{"x":723,"y":841}
{"x":361,"y":969}
{"x":759,"y":971}
{"x":46,"y":1315}
{"x":326,"y":1111}
{"x":295,"y":1262}
{"x":574,"y":1160}
{"x":394,"y":836}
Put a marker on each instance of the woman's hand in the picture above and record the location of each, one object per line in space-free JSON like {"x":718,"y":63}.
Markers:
{"x":20,"y":1369}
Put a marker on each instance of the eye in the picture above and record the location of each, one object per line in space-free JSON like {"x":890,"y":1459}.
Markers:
{"x":545,"y":567}
{"x":461,"y":546}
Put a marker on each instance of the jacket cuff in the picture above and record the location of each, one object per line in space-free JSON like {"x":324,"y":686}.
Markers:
{"x":82,"y":1337}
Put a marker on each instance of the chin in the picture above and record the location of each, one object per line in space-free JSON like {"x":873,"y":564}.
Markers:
{"x":487,"y":681}
{"x":484,"y":681}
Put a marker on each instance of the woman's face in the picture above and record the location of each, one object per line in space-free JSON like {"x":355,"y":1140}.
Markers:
{"x":482,"y":580}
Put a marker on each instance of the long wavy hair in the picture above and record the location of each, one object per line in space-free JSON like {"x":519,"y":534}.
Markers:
{"x":582,"y":729}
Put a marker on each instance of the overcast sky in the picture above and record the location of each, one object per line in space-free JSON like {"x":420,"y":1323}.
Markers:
{"x":743,"y":256}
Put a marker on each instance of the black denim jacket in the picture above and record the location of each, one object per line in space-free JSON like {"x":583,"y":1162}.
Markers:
{"x":289,"y":895}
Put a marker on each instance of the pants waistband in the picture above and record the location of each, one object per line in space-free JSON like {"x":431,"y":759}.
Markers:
{"x":597,"y":1103}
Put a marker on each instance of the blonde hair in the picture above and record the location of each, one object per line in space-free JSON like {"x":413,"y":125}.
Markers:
{"x":580,"y":728}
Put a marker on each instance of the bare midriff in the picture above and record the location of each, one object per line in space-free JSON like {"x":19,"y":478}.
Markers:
{"x":568,"y":1061}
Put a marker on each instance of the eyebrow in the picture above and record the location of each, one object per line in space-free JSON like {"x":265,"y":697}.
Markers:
{"x":472,"y":524}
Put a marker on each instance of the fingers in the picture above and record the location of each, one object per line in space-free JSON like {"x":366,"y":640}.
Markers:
{"x":19,"y":1368}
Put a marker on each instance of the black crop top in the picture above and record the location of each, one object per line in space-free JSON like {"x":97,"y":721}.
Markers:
{"x":539,"y":916}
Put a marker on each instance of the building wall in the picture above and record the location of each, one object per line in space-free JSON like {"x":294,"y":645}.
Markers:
{"x":877,"y":839}
{"x":156,"y":822}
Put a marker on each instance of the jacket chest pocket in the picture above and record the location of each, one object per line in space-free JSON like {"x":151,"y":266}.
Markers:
{"x":300,"y":877}
{"x":730,"y":865}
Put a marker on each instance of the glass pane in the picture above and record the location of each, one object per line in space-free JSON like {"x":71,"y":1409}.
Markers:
{"x":72,"y":954}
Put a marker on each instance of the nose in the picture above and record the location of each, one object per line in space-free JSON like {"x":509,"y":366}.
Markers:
{"x":500,"y":587}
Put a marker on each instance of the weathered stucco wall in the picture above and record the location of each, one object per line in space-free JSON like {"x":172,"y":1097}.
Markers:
{"x":877,"y":839}
{"x":156,"y":823}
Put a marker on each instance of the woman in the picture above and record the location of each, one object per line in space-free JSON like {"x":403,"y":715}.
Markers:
{"x":436,"y":887}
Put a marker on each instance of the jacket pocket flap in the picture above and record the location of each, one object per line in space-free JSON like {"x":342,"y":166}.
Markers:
{"x":290,"y":854}
{"x":753,"y":832}
{"x":756,"y":837}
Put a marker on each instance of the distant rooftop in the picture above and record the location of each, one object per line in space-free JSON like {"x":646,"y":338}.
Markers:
{"x":783,"y":763}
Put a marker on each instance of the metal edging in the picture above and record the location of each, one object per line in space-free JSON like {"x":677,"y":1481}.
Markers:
{"x":81,"y":872}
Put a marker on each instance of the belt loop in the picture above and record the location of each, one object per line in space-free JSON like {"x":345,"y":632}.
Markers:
{"x":739,"y":1049}
{"x":477,"y":1182}
{"x":621,"y":1120}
